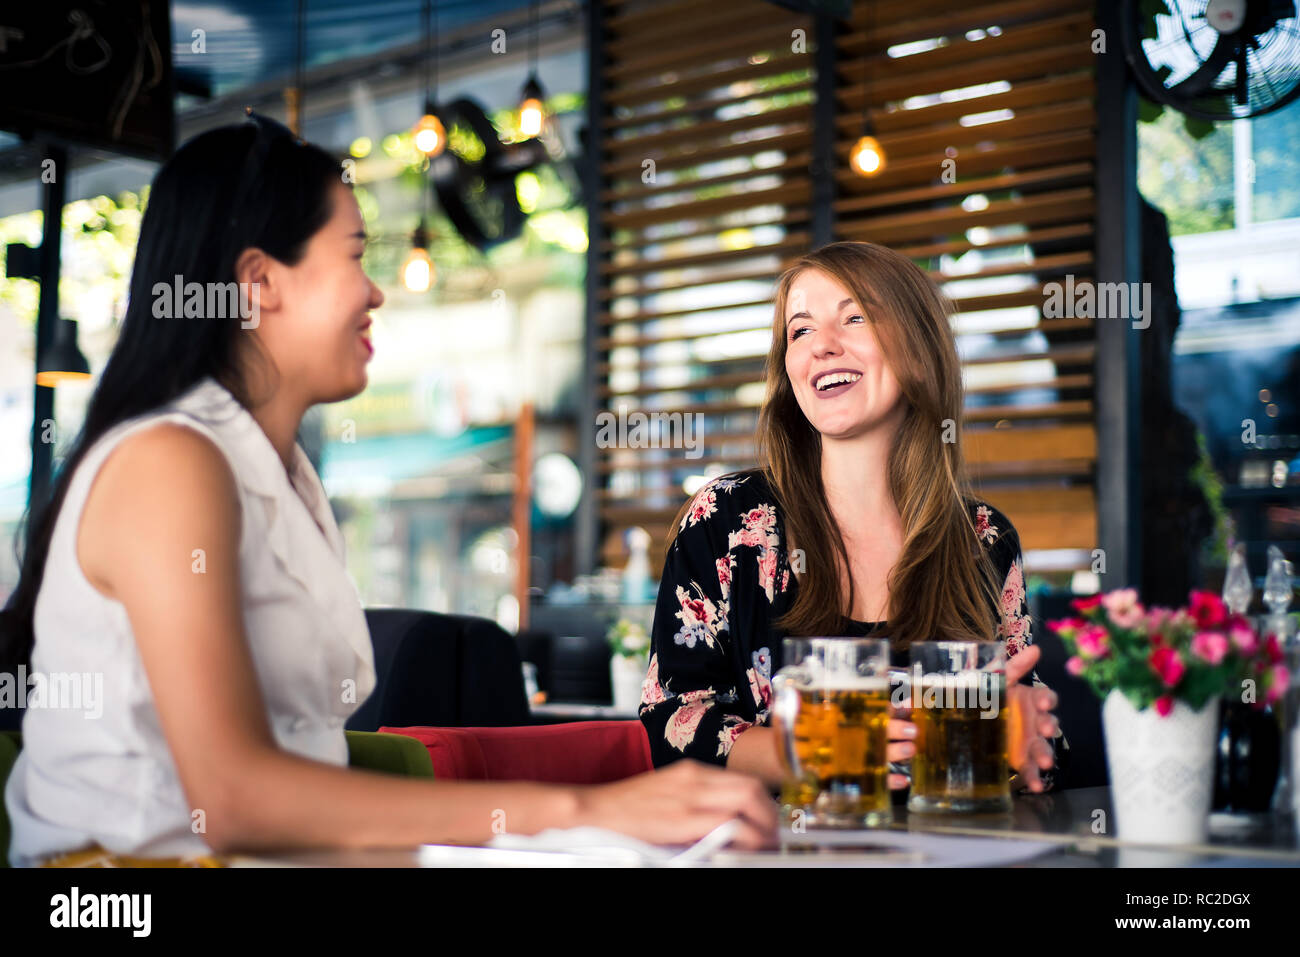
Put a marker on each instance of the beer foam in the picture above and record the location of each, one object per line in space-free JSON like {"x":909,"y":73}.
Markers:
{"x":820,"y":680}
{"x":969,"y":679}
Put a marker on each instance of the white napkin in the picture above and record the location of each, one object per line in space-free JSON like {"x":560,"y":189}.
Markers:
{"x":598,"y":842}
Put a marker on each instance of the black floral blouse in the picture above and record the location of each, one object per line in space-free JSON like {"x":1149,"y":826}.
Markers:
{"x":727,"y":578}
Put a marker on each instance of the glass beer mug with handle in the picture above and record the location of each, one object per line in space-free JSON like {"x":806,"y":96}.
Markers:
{"x":963,"y":717}
{"x":831,"y":710}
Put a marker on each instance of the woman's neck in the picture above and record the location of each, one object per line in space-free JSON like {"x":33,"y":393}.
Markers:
{"x":855,"y":475}
{"x":279,"y":412}
{"x":280,"y":421}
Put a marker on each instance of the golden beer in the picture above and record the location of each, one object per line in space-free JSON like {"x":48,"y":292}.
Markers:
{"x":840,"y":737}
{"x":831,"y":708}
{"x":961,"y":762}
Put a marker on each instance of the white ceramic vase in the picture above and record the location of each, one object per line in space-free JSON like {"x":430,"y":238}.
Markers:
{"x":1161,"y":769}
{"x":626,"y":675}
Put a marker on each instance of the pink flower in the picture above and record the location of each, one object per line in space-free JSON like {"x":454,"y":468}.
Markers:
{"x":747,"y":536}
{"x":1207,"y":608}
{"x":729,"y":733}
{"x":681,"y":726}
{"x":1123,"y":607}
{"x":651,"y":692}
{"x":1082,"y":605}
{"x":1168,"y":665}
{"x":1243,"y":637}
{"x":762,"y":518}
{"x":1156,"y":618}
{"x":1164,"y":705}
{"x":1066,"y":627}
{"x":1013,"y":590}
{"x":767,"y":572}
{"x":699,"y":618}
{"x":1075,"y":665}
{"x":1093,"y":641}
{"x":1210,"y":646}
{"x":1016,"y":632}
{"x":724,"y":575}
{"x":986,"y":531}
{"x":1273,"y":651}
{"x":1277,"y":687}
{"x":703,"y":505}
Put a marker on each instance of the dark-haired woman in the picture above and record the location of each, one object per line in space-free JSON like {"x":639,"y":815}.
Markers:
{"x":189,"y":555}
{"x":860,"y":523}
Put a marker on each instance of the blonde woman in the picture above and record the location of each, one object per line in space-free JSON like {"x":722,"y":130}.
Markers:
{"x":860,"y":522}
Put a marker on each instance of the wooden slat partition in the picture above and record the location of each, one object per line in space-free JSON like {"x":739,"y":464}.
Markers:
{"x":717,"y":99}
{"x":1015,"y":213}
{"x":987,"y":114}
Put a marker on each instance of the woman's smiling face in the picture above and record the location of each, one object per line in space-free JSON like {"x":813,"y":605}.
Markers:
{"x":839,"y":374}
{"x":320,"y":337}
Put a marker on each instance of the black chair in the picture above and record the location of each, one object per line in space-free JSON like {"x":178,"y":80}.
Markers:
{"x":442,"y":671}
{"x":577,"y":662}
{"x":1078,"y":709}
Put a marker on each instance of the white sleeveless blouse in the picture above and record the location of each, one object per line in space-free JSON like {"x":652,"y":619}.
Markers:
{"x":110,"y":779}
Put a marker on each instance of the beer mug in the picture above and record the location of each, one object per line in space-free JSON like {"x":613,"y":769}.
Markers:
{"x":831,"y":710}
{"x":958,"y":696}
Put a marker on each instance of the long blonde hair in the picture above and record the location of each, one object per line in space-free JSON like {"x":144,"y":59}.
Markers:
{"x":943,"y":584}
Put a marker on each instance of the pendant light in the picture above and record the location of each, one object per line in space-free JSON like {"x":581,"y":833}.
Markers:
{"x":418,"y":272}
{"x":429,"y":135}
{"x":532,"y":112}
{"x":867,"y":157}
{"x":62,"y":361}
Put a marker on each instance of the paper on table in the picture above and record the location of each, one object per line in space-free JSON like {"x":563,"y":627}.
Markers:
{"x":932,"y":850}
{"x":887,"y":848}
{"x":587,"y":841}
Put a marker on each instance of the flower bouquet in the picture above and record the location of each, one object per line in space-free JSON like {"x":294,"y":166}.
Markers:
{"x":629,"y":645}
{"x":1162,"y":673}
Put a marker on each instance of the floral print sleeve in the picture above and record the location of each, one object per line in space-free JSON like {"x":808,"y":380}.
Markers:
{"x":706,"y":683}
{"x":995,"y":531}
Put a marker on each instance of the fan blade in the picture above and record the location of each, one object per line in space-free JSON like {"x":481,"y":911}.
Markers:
{"x":1202,"y":79}
{"x":1243,"y":89}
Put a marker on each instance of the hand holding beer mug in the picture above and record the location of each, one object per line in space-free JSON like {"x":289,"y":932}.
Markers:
{"x":831,"y":709}
{"x":1029,"y":748}
{"x":958,"y":695}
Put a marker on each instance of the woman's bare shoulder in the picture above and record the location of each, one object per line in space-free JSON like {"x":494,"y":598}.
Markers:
{"x":163,"y":484}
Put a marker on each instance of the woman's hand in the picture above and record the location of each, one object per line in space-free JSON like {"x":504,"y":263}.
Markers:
{"x":1031,"y":722}
{"x":682,"y":803}
{"x":902,"y":746}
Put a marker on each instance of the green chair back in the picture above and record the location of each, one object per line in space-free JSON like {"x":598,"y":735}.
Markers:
{"x":390,"y":753}
{"x":11,"y":742}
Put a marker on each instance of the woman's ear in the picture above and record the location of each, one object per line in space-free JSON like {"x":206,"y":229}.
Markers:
{"x":253,"y":272}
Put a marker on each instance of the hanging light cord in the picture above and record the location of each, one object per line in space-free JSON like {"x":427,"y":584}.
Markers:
{"x":300,"y":55}
{"x":532,"y":56}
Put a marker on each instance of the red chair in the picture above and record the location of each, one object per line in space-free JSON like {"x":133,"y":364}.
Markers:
{"x":584,"y":752}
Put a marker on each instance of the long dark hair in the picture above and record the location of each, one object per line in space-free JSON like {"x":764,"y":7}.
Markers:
{"x":189,"y":229}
